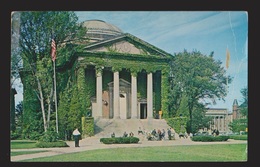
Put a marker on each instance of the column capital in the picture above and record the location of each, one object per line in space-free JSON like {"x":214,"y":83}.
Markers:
{"x":99,"y":70}
{"x":116,"y":69}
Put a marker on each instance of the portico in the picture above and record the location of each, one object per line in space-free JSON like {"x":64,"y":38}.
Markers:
{"x":121,"y":100}
{"x":120,"y":75}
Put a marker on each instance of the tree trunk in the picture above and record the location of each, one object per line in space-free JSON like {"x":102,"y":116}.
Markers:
{"x":49,"y":108}
{"x":42,"y":105}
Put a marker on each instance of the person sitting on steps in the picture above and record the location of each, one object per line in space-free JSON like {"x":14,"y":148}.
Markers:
{"x":140,"y":131}
{"x":125,"y":134}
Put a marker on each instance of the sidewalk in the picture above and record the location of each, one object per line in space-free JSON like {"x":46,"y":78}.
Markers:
{"x":93,"y":143}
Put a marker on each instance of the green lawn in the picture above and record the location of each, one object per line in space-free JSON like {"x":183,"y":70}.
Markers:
{"x":21,"y":144}
{"x":25,"y":152}
{"x":194,"y":153}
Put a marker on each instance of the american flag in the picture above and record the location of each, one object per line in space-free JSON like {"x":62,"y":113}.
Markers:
{"x":53,"y":50}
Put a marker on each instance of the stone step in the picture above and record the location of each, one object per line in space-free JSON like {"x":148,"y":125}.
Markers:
{"x":105,"y":127}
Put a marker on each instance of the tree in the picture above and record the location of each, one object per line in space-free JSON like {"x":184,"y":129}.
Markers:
{"x":74,"y":114}
{"x":199,"y":78}
{"x":199,"y":119}
{"x":238,"y":125}
{"x":63,"y":110}
{"x":37,"y":29}
{"x":244,"y":106}
{"x":19,"y":114}
{"x":241,"y":123}
{"x":16,"y":59}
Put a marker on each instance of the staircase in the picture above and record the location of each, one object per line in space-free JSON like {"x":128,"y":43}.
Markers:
{"x":105,"y":127}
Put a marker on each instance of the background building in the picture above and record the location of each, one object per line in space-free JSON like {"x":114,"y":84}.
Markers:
{"x":221,"y":117}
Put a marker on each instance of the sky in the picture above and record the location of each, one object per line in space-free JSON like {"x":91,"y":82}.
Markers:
{"x":174,"y":31}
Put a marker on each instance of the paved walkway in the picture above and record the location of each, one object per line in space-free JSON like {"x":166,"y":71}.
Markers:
{"x":93,"y":143}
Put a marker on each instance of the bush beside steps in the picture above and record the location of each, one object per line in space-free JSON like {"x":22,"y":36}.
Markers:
{"x":119,"y":140}
{"x":209,"y":138}
{"x":42,"y":144}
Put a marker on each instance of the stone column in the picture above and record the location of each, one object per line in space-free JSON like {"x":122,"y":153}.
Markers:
{"x":99,"y":94}
{"x":150,"y":95}
{"x":133,"y":96}
{"x":214,"y":122}
{"x":116,"y":95}
{"x":222,"y":124}
{"x":218,"y":123}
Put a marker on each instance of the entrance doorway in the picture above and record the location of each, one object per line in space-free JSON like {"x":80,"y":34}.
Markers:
{"x":143,"y":110}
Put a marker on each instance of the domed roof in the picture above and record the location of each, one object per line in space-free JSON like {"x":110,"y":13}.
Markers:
{"x":99,"y":30}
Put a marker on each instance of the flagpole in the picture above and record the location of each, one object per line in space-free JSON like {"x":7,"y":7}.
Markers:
{"x":55,"y":97}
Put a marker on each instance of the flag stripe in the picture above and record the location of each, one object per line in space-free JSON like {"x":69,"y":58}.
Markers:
{"x":53,"y":50}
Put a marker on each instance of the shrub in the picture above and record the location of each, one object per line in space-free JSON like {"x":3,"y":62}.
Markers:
{"x":119,"y":140}
{"x":49,"y":136}
{"x":178,"y":124}
{"x":209,"y":138}
{"x":35,"y":135}
{"x":87,"y":126}
{"x":238,"y":137}
{"x":15,"y":135}
{"x":43,"y":144}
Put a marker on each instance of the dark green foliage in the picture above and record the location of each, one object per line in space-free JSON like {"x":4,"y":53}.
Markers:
{"x":142,"y":85}
{"x":63,"y":109}
{"x":36,"y":31}
{"x":74,"y":114}
{"x":199,"y":121}
{"x":32,"y":121}
{"x":49,"y":136}
{"x":107,"y":77}
{"x":197,"y":77}
{"x":238,"y":125}
{"x":87,"y":126}
{"x":209,"y":138}
{"x":157,"y":91}
{"x":243,"y":108}
{"x":14,"y":135}
{"x":178,"y":124}
{"x":238,"y":137}
{"x":33,"y":135}
{"x":119,"y":140}
{"x":51,"y":144}
{"x":90,"y":83}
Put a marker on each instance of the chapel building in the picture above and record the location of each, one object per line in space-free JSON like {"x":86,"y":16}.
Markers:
{"x":121,"y":76}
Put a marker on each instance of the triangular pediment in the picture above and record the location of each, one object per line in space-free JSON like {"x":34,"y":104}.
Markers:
{"x":126,"y":43}
{"x":122,"y":83}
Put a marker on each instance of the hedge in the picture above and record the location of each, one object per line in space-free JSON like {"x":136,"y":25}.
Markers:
{"x":238,"y":137}
{"x":209,"y":138}
{"x":42,"y":144}
{"x":119,"y":140}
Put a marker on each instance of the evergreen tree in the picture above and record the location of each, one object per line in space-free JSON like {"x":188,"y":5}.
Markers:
{"x":63,"y":110}
{"x":74,"y":114}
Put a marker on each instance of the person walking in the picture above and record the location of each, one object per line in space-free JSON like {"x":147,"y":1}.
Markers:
{"x":76,"y":135}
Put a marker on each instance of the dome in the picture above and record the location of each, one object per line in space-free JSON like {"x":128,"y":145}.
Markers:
{"x":98,"y":30}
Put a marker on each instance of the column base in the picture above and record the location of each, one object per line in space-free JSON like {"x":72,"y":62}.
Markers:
{"x":150,"y":118}
{"x":116,"y":117}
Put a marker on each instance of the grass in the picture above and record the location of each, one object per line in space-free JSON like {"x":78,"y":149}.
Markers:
{"x":21,"y":144}
{"x":14,"y":153}
{"x":193,"y":153}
